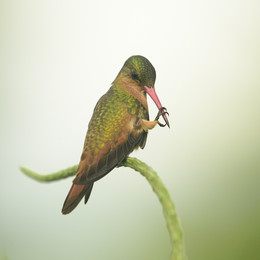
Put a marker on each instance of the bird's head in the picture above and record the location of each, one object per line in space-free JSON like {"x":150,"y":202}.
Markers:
{"x":139,"y":71}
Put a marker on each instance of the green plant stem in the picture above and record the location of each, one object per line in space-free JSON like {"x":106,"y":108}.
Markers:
{"x":62,"y":174}
{"x":169,"y":210}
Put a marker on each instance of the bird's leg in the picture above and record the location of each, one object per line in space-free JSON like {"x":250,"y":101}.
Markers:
{"x":161,"y":112}
{"x":148,"y":125}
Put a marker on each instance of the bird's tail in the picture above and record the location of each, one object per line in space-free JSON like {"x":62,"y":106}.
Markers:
{"x":76,"y":193}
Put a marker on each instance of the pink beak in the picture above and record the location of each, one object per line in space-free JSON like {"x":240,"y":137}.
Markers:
{"x":151,"y":92}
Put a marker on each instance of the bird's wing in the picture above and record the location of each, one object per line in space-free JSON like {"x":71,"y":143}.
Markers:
{"x":108,"y":162}
{"x":110,"y":139}
{"x":143,"y":139}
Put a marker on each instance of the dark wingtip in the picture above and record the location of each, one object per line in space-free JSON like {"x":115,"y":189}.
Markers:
{"x":76,"y":193}
{"x":67,"y":208}
{"x":66,"y":211}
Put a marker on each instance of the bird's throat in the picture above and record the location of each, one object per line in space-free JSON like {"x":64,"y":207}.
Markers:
{"x":131,"y":87}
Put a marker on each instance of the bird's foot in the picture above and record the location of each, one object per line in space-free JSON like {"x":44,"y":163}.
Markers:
{"x":161,"y":112}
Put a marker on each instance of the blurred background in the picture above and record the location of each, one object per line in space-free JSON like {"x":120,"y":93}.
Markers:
{"x":57,"y":58}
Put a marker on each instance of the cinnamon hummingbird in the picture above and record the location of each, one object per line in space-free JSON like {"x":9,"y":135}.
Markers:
{"x":119,"y":124}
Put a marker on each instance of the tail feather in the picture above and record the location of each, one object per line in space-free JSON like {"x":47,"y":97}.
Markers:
{"x":76,"y":193}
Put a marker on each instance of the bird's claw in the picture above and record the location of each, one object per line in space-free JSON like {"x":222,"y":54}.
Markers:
{"x":161,"y":112}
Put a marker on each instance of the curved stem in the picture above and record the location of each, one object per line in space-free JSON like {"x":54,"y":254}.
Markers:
{"x":62,"y":174}
{"x":169,"y":210}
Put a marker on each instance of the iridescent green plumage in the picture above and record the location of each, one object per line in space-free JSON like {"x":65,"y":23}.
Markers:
{"x":119,"y":124}
{"x":110,"y":116}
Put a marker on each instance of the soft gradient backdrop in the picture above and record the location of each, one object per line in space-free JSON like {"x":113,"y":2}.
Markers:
{"x":58,"y":57}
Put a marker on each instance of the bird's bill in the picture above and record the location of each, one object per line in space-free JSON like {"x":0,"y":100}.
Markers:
{"x":151,"y":92}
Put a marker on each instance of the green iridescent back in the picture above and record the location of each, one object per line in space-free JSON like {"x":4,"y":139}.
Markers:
{"x":109,"y":118}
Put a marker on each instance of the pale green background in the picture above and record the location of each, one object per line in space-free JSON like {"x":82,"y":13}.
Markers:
{"x":58,"y":57}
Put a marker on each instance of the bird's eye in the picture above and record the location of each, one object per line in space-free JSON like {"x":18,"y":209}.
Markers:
{"x":134,"y":75}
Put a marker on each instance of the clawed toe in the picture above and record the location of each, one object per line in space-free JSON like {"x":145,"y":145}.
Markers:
{"x":161,"y":112}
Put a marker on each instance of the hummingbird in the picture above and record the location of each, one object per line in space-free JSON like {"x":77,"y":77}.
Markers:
{"x":119,"y":124}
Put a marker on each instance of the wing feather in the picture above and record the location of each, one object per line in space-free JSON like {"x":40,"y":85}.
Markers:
{"x":108,"y":162}
{"x":114,"y":135}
